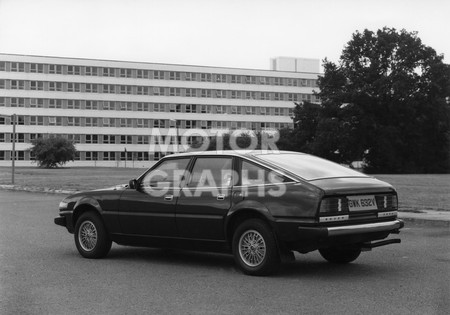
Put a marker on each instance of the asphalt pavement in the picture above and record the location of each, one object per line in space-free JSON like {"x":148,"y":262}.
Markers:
{"x":41,"y":272}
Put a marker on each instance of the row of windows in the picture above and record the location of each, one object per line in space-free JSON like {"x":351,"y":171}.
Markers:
{"x":138,"y":123}
{"x":92,"y":156}
{"x":152,"y":90}
{"x":98,"y":139}
{"x":153,"y":74}
{"x":148,"y":107}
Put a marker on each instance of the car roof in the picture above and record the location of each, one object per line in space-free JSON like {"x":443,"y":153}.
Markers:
{"x":232,"y":152}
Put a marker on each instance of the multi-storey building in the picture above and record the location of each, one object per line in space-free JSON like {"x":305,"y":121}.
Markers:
{"x":109,"y":108}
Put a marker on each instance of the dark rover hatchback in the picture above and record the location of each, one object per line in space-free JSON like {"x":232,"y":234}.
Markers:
{"x":259,"y":206}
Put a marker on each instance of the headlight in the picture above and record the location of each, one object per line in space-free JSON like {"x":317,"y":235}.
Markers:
{"x":63,"y":205}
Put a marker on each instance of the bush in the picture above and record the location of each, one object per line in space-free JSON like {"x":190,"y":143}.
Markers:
{"x":53,"y":152}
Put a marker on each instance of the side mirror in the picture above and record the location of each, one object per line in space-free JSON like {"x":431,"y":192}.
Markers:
{"x":133,"y":184}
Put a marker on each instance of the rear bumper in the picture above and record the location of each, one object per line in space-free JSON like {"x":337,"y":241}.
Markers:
{"x":303,"y":238}
{"x":391,"y":226}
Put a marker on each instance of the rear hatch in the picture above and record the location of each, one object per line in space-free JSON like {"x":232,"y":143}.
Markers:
{"x":356,"y":200}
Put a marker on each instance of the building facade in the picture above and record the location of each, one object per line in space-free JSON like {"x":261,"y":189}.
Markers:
{"x":110,"y":108}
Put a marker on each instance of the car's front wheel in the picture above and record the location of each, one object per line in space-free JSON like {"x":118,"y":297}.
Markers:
{"x":340,"y":255}
{"x":254,"y":248}
{"x":91,"y":238}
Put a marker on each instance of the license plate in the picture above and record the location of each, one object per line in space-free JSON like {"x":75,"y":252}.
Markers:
{"x":359,"y":203}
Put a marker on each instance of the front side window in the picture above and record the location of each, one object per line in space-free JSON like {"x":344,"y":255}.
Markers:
{"x":168,"y":174}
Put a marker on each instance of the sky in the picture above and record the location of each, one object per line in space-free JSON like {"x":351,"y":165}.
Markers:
{"x":222,"y":33}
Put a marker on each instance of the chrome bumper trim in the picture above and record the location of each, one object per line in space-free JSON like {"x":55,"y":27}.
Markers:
{"x":365,"y":228}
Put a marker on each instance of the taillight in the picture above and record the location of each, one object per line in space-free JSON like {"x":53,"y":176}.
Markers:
{"x":333,"y":205}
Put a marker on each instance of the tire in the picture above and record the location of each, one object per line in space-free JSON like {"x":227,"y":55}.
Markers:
{"x":255,"y":249}
{"x":339,"y":255}
{"x":91,"y":238}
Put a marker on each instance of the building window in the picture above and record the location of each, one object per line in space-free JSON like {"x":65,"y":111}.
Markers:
{"x":52,"y":121}
{"x":91,"y":121}
{"x":159,"y":123}
{"x":125,"y":89}
{"x":142,"y":156}
{"x":143,"y":107}
{"x":142,"y":140}
{"x":37,"y":68}
{"x":37,"y":85}
{"x":109,"y":139}
{"x":73,"y":121}
{"x":174,"y":75}
{"x":157,"y":107}
{"x":17,"y":85}
{"x":158,"y":75}
{"x":109,"y":72}
{"x":74,"y":138}
{"x":206,"y":93}
{"x":73,"y":104}
{"x":190,"y":124}
{"x":74,"y":70}
{"x":126,"y":139}
{"x":126,"y":73}
{"x":205,"y":77}
{"x":109,"y":156}
{"x":91,"y":138}
{"x":109,"y":105}
{"x":143,"y":74}
{"x":2,"y":66}
{"x":55,"y":69}
{"x":109,"y":88}
{"x":17,"y":102}
{"x":236,"y":79}
{"x":91,"y":156}
{"x":190,"y":76}
{"x":91,"y":105}
{"x":191,"y":108}
{"x":73,"y":87}
{"x":91,"y":88}
{"x":91,"y":71}
{"x":17,"y":67}
{"x":143,"y":90}
{"x":55,"y":86}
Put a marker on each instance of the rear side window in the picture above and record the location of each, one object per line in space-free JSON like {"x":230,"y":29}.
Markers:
{"x":252,"y":174}
{"x":212,"y":172}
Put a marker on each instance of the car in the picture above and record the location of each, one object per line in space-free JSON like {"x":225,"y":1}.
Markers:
{"x":259,"y":206}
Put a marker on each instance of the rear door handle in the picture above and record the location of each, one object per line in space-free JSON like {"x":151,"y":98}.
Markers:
{"x":220,"y":197}
{"x":168,"y":197}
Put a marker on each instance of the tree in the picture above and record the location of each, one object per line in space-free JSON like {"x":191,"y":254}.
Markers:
{"x":53,"y":152}
{"x":384,"y":102}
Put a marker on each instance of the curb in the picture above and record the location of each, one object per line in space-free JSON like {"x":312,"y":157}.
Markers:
{"x":38,"y":189}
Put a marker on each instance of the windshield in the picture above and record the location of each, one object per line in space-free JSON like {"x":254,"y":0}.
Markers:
{"x":309,"y":167}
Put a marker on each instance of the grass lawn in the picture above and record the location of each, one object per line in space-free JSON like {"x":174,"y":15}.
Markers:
{"x":416,"y":192}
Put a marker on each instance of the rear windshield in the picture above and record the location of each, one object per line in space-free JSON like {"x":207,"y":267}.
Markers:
{"x":309,"y":167}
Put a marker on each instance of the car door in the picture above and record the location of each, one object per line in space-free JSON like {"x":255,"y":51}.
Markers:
{"x":205,"y":199}
{"x":150,"y":208}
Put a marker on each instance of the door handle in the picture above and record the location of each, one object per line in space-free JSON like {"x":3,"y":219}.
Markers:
{"x":168,"y":197}
{"x":220,"y":197}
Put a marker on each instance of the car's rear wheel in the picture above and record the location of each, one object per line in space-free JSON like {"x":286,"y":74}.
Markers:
{"x":91,"y":238}
{"x":255,"y":249}
{"x":340,"y":255}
